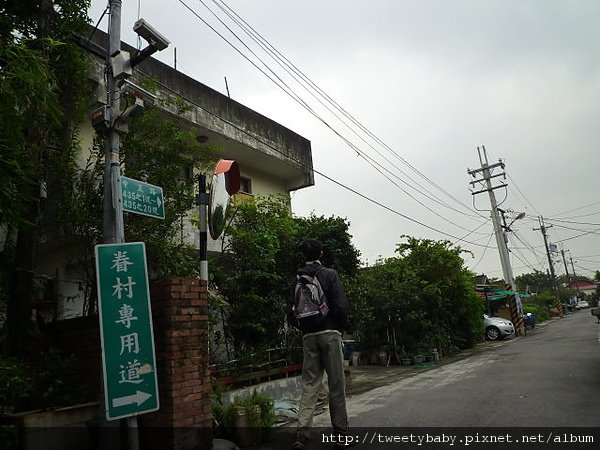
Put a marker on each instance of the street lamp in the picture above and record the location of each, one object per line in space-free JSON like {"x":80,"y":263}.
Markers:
{"x":506,"y":228}
{"x":519,"y":216}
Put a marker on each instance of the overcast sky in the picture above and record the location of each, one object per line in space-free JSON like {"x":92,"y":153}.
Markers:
{"x":432,"y":80}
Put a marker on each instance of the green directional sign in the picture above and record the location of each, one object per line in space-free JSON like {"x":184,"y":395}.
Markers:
{"x":142,"y":198}
{"x":128,"y":359}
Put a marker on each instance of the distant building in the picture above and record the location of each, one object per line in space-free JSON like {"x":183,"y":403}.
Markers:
{"x":585,"y":286}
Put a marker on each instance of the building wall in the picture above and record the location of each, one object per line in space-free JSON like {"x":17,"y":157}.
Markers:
{"x":274,"y":158}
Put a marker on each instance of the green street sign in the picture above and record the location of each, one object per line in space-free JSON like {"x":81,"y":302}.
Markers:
{"x":142,"y":198}
{"x":128,"y":359}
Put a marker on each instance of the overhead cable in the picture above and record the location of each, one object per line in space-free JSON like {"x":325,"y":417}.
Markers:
{"x":299,"y":163}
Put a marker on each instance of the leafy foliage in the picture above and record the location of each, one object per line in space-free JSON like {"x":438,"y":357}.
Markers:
{"x":161,"y":151}
{"x":536,"y":282}
{"x":255,"y":271}
{"x":40,"y":88}
{"x":421,"y":299}
{"x":52,"y":380}
{"x":258,"y":410}
{"x":42,"y":95}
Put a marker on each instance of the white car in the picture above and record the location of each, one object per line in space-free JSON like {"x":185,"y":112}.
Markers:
{"x":582,"y":304}
{"x":497,"y":327}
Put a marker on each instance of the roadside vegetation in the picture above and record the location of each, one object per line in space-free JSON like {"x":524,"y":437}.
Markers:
{"x":546,"y":294}
{"x":419,"y":300}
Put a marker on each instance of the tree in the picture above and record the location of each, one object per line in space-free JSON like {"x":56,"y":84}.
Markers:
{"x":156,"y":150}
{"x":256,"y":269}
{"x":41,"y":88}
{"x":534,"y":282}
{"x":424,"y":297}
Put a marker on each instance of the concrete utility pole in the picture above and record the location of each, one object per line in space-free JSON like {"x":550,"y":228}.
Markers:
{"x":486,"y":170}
{"x":113,"y":228}
{"x":111,"y":121}
{"x":543,"y":229}
{"x":572,"y":266}
{"x":574,"y":274}
{"x":562,"y":251}
{"x":114,"y":232}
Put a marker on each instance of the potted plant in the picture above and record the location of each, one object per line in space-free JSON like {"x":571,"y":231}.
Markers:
{"x":247,"y":420}
{"x":382,"y":357}
{"x":418,"y":359}
{"x":406,"y":359}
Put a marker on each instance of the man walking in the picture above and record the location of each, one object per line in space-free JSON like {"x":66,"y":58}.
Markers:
{"x":322,"y":330}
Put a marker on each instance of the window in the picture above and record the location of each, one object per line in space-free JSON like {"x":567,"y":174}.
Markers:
{"x":245,"y":185}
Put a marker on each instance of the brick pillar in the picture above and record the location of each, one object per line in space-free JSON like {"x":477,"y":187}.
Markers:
{"x":180,"y":316}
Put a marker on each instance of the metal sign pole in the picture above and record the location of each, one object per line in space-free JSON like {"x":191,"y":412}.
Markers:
{"x":114,"y":232}
{"x":202,"y":203}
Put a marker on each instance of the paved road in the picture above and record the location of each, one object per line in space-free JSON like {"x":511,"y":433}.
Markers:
{"x":549,"y":378}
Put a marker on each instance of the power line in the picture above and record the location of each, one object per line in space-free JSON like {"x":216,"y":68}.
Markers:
{"x":299,"y":163}
{"x":521,"y":193}
{"x":286,"y":64}
{"x":577,"y":209}
{"x":303,"y":103}
{"x":307,"y":85}
{"x":572,"y":222}
{"x":582,"y":215}
{"x":527,"y":263}
{"x":484,"y":251}
{"x":585,"y":268}
{"x":579,"y":235}
{"x":471,"y":232}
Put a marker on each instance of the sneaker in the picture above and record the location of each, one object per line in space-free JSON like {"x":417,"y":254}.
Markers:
{"x":300,"y":442}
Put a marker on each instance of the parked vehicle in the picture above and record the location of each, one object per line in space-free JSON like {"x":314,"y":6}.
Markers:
{"x":497,"y":328}
{"x":582,"y":304}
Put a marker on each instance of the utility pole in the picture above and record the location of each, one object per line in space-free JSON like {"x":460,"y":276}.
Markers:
{"x":114,"y":232}
{"x":574,"y":274}
{"x":572,"y":266}
{"x":112,"y":212}
{"x":543,"y":229}
{"x":486,"y":170}
{"x":562,"y":251}
{"x":111,"y":121}
{"x":564,"y":259}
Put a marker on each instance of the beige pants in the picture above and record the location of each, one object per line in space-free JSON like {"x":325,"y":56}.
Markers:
{"x":323,"y":354}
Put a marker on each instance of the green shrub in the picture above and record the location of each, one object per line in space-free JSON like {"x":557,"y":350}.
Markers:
{"x":259,"y":410}
{"x":51,"y":380}
{"x":15,"y":385}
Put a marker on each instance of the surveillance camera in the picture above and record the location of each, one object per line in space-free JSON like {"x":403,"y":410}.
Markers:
{"x":121,"y":123}
{"x":127,"y":87}
{"x":153,"y":37}
{"x":134,"y":110}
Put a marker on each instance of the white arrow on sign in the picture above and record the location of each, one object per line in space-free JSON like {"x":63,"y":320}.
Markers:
{"x":139,"y":397}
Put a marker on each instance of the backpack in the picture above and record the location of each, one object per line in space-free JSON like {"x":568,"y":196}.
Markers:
{"x":310,"y":303}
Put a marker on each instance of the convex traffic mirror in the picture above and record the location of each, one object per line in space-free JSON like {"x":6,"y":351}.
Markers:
{"x":225,"y":182}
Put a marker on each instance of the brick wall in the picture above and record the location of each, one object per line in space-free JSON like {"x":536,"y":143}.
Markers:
{"x":180,"y":315}
{"x":180,"y":319}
